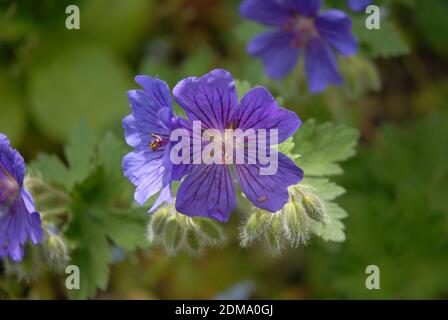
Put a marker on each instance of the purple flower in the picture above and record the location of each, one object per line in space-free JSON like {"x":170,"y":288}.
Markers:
{"x":19,"y":220}
{"x":299,"y":27}
{"x":147,"y":130}
{"x":359,"y":5}
{"x":208,"y":189}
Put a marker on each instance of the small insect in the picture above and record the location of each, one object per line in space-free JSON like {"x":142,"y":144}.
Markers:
{"x":156,"y":143}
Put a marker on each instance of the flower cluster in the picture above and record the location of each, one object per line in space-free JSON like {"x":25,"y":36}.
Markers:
{"x":208,"y":189}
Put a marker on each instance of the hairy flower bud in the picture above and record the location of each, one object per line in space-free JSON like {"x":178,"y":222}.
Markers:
{"x":176,"y":232}
{"x":313,"y":207}
{"x":296,"y":222}
{"x":55,"y":249}
{"x":173,"y":235}
{"x":254,"y":227}
{"x":274,"y":235}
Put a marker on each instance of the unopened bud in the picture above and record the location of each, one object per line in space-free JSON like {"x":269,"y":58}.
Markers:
{"x":193,"y":240}
{"x":210,"y":230}
{"x":274,"y":234}
{"x":255,"y":226}
{"x":313,"y":207}
{"x":173,"y":235}
{"x":296,"y":223}
{"x":157,"y":224}
{"x":56,"y":252}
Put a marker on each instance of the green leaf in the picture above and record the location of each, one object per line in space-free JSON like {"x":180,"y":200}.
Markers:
{"x":287,"y":148}
{"x":322,"y":146}
{"x":386,"y":42}
{"x":323,"y":188}
{"x":79,"y":152}
{"x":91,"y":254}
{"x":52,"y":170}
{"x":126,"y":228}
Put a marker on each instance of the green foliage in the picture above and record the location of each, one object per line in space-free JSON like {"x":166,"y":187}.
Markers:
{"x":398,"y":216}
{"x":98,"y":208}
{"x":322,"y":146}
{"x":386,"y":42}
{"x":317,"y":149}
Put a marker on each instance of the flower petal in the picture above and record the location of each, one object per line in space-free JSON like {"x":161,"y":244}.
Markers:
{"x":336,"y":28}
{"x":150,"y":173}
{"x":320,"y":65}
{"x":259,"y":110}
{"x":210,"y":99}
{"x":146,"y":105}
{"x":18,"y":225}
{"x":268,"y":192}
{"x":277,"y":52}
{"x":268,"y":12}
{"x":11,"y":160}
{"x":208,"y":191}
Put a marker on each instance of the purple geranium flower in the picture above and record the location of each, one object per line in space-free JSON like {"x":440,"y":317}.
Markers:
{"x":208,"y":189}
{"x":19,"y":220}
{"x":299,"y":27}
{"x":147,"y":130}
{"x":359,"y":5}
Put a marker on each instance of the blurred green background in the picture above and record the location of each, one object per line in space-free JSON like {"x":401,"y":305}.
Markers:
{"x":396,"y":94}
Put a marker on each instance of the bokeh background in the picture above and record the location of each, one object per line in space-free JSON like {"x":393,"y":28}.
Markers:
{"x":396,"y":94}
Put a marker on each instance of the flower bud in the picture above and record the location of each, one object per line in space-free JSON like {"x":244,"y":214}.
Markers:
{"x":56,"y":251}
{"x":274,"y":234}
{"x":157,"y":224}
{"x":255,"y":226}
{"x":193,"y":240}
{"x":296,"y":223}
{"x":210,"y":230}
{"x":313,"y":207}
{"x":173,"y":235}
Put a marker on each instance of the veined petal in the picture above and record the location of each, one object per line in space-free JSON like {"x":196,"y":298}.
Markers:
{"x":320,"y":65}
{"x":277,"y":52}
{"x":259,"y":110}
{"x":150,"y":173}
{"x":18,"y":225}
{"x":267,"y":12}
{"x":210,"y":99}
{"x":146,"y":106}
{"x":268,"y":192}
{"x":157,"y":91}
{"x":11,"y":160}
{"x":208,"y":191}
{"x":336,"y":28}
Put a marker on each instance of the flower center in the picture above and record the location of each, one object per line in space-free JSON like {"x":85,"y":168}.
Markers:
{"x":302,"y":27}
{"x":9,"y":189}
